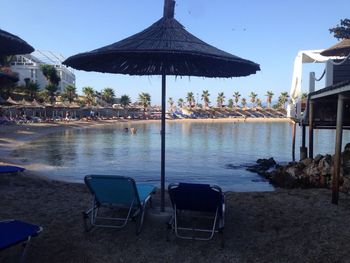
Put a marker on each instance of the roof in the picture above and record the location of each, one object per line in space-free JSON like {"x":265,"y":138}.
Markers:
{"x":163,"y":48}
{"x":331,"y":90}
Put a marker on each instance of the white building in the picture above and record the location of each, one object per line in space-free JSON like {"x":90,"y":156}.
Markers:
{"x":28,"y":66}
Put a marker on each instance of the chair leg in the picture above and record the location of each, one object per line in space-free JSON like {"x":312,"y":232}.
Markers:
{"x":25,"y":249}
{"x":222,"y":238}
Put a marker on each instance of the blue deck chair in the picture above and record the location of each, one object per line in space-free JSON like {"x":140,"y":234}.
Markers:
{"x":13,"y":232}
{"x":119,"y":193}
{"x":191,"y":202}
{"x":11,"y":169}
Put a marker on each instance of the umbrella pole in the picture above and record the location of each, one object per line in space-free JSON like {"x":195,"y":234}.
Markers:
{"x":162,"y":168}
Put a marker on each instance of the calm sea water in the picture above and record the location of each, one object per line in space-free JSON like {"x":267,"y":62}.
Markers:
{"x":215,"y":153}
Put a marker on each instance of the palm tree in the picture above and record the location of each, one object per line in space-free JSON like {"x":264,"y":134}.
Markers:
{"x":31,"y":88}
{"x":145,"y":100}
{"x":253,"y":96}
{"x":125,"y":100}
{"x":283,"y":98}
{"x":51,"y":75}
{"x":230,"y":103}
{"x":205,"y":98}
{"x":89,"y":93}
{"x":51,"y":90}
{"x":171,"y":103}
{"x":236,"y":95}
{"x":269,"y":95}
{"x":190,"y":99}
{"x":108,"y":95}
{"x":70,"y":93}
{"x":304,"y":96}
{"x":258,"y":102}
{"x":180,"y":102}
{"x":243,"y":102}
{"x":220,"y":99}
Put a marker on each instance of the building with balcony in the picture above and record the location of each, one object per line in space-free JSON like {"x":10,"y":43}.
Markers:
{"x":28,"y":67}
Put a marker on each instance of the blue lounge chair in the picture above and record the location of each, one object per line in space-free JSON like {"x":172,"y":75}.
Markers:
{"x":10,"y":169}
{"x":121,"y":193}
{"x":13,"y":232}
{"x":195,"y":202}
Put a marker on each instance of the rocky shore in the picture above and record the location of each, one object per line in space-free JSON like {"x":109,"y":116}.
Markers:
{"x":307,"y":173}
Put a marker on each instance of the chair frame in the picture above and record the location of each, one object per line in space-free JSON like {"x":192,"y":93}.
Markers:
{"x":217,"y":218}
{"x":135,"y":211}
{"x":24,"y":242}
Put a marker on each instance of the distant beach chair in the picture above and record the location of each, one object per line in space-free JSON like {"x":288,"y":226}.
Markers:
{"x":10,"y":169}
{"x":120,"y":193}
{"x":13,"y":232}
{"x":198,"y":211}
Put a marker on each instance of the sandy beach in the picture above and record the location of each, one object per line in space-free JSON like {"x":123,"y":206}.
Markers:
{"x":299,"y":225}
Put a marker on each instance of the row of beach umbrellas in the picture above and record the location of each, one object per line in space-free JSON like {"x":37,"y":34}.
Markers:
{"x":166,"y":49}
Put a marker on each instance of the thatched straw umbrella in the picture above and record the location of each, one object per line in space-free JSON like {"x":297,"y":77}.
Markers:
{"x":164,"y":48}
{"x":341,"y":49}
{"x":13,"y":45}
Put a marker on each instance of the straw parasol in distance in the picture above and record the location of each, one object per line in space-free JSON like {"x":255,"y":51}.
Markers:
{"x":164,"y":48}
{"x":341,"y":49}
{"x":12,"y":45}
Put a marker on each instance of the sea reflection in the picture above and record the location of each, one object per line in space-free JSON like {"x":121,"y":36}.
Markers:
{"x":214,"y":153}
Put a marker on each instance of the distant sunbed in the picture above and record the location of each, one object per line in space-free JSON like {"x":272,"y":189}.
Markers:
{"x":10,"y":169}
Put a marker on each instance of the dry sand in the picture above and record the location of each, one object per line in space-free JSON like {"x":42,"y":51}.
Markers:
{"x":282,"y":226}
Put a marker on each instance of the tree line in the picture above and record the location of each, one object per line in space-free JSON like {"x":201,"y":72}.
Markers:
{"x":236,"y":100}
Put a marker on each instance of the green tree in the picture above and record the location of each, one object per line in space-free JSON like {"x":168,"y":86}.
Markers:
{"x":258,"y":102}
{"x":51,"y":90}
{"x":180,"y":102}
{"x":283,"y":98}
{"x":108,"y":95}
{"x":205,"y":98}
{"x":236,"y":95}
{"x":244,"y":102}
{"x":90,"y":94}
{"x":145,"y":100}
{"x":220,"y":99}
{"x":31,"y":88}
{"x":70,"y":93}
{"x":171,"y":102}
{"x":304,"y":96}
{"x":125,"y":100}
{"x":50,"y":73}
{"x":190,"y":99}
{"x":252,"y":97}
{"x":230,"y":103}
{"x":341,"y":31}
{"x":269,"y":95}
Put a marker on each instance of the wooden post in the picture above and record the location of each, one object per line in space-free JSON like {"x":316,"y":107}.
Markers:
{"x":293,"y":140}
{"x":338,"y":143}
{"x":303,"y":149}
{"x":311,"y":129}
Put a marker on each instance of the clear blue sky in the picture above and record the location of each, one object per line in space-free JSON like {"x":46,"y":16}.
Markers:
{"x":269,"y":32}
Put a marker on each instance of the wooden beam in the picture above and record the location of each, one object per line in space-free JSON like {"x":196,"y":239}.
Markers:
{"x":303,"y":149}
{"x":338,"y":143}
{"x":293,"y":140}
{"x":311,"y":129}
